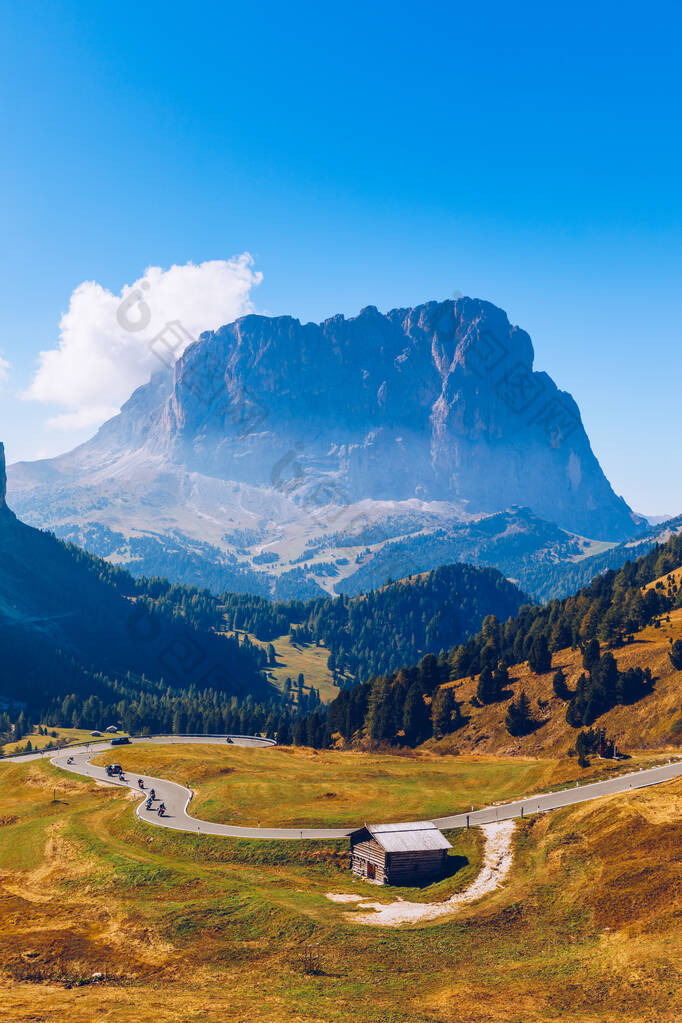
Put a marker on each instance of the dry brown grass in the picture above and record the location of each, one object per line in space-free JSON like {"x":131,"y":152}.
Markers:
{"x":301,"y":787}
{"x":587,"y":929}
{"x":654,"y":723}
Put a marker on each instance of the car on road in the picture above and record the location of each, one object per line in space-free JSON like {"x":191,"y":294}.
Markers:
{"x":120,"y":740}
{"x":114,"y":769}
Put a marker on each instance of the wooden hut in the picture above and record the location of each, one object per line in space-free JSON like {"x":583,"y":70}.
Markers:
{"x":399,"y":853}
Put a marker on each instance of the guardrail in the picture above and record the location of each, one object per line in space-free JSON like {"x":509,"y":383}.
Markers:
{"x":86,"y":743}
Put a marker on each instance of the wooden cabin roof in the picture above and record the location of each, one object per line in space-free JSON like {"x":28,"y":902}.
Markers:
{"x":413,"y":836}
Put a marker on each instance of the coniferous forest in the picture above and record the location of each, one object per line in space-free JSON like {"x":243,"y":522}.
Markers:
{"x":150,"y":656}
{"x":405,"y":707}
{"x":386,"y":628}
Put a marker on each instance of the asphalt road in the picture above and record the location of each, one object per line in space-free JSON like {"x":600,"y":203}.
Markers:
{"x":177,"y":798}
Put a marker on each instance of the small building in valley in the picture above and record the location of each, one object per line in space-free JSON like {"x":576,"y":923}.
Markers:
{"x":399,"y":853}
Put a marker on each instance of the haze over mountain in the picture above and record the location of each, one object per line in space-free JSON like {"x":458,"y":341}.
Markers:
{"x":279,"y":457}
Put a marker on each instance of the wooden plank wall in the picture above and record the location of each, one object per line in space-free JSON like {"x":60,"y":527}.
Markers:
{"x":372,"y":852}
{"x":397,"y":867}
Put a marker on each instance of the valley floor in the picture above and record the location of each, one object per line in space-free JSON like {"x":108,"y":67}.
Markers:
{"x":187,"y":928}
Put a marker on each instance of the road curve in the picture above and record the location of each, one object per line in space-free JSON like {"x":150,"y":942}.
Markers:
{"x":177,"y":798}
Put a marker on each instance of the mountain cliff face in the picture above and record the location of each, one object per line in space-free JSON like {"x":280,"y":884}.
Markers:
{"x":269,"y":433}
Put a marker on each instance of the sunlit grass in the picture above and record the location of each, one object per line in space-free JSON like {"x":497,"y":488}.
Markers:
{"x":188,"y":927}
{"x":298,"y":787}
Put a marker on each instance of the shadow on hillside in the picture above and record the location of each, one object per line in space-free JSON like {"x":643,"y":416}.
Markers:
{"x":453,"y":865}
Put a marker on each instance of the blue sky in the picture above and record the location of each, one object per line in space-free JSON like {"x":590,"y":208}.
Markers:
{"x":367,"y":154}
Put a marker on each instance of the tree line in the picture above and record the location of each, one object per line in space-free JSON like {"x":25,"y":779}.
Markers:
{"x":408,"y":706}
{"x":382,"y":630}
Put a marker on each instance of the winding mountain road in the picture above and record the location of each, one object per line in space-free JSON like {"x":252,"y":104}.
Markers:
{"x":177,"y":798}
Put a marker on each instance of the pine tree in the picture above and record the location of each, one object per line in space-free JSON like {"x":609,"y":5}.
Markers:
{"x":676,"y":654}
{"x":445,"y":713}
{"x":519,"y":720}
{"x":539,"y":658}
{"x":559,"y":685}
{"x":487,"y":690}
{"x":591,"y":654}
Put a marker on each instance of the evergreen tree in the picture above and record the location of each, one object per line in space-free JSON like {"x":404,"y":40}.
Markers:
{"x":559,"y":685}
{"x":539,"y":658}
{"x":676,"y":654}
{"x":283,"y":734}
{"x":445,"y":713}
{"x":591,"y":654}
{"x":300,"y":732}
{"x":500,"y":679}
{"x":486,"y":690}
{"x":416,"y":722}
{"x":519,"y":720}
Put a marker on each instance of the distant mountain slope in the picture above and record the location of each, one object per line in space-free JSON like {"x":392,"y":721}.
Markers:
{"x":612,"y":639}
{"x":518,"y":543}
{"x":268,"y":437}
{"x":389,"y":627}
{"x":72,"y":623}
{"x":561,"y":578}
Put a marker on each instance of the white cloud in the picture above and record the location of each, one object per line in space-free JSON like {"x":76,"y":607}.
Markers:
{"x":104,"y":348}
{"x":4,"y":369}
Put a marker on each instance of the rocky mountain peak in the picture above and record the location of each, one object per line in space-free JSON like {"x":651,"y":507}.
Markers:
{"x":270,"y":437}
{"x":439,"y":402}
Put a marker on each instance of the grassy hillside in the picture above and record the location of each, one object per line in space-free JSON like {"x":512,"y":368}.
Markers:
{"x":386,"y":628}
{"x":309,"y":659}
{"x":55,"y":736}
{"x":653,"y":722}
{"x":300,"y":787}
{"x":188,"y":928}
{"x":496,"y":691}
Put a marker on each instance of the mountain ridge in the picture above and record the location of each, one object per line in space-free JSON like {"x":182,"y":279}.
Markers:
{"x":287,"y":432}
{"x":71,"y":622}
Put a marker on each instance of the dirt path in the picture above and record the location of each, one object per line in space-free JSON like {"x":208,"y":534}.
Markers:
{"x":497,"y":861}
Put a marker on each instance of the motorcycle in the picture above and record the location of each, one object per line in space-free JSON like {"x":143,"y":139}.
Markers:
{"x":149,"y":804}
{"x":152,"y":794}
{"x":140,"y":783}
{"x":162,"y":810}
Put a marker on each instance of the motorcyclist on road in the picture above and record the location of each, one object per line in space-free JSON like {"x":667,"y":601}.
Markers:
{"x":152,"y":794}
{"x":149,"y":804}
{"x":162,"y":809}
{"x":140,"y":783}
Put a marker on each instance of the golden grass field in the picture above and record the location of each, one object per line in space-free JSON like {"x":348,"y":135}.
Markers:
{"x":190,"y":928}
{"x":198,"y":929}
{"x":300,"y":787}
